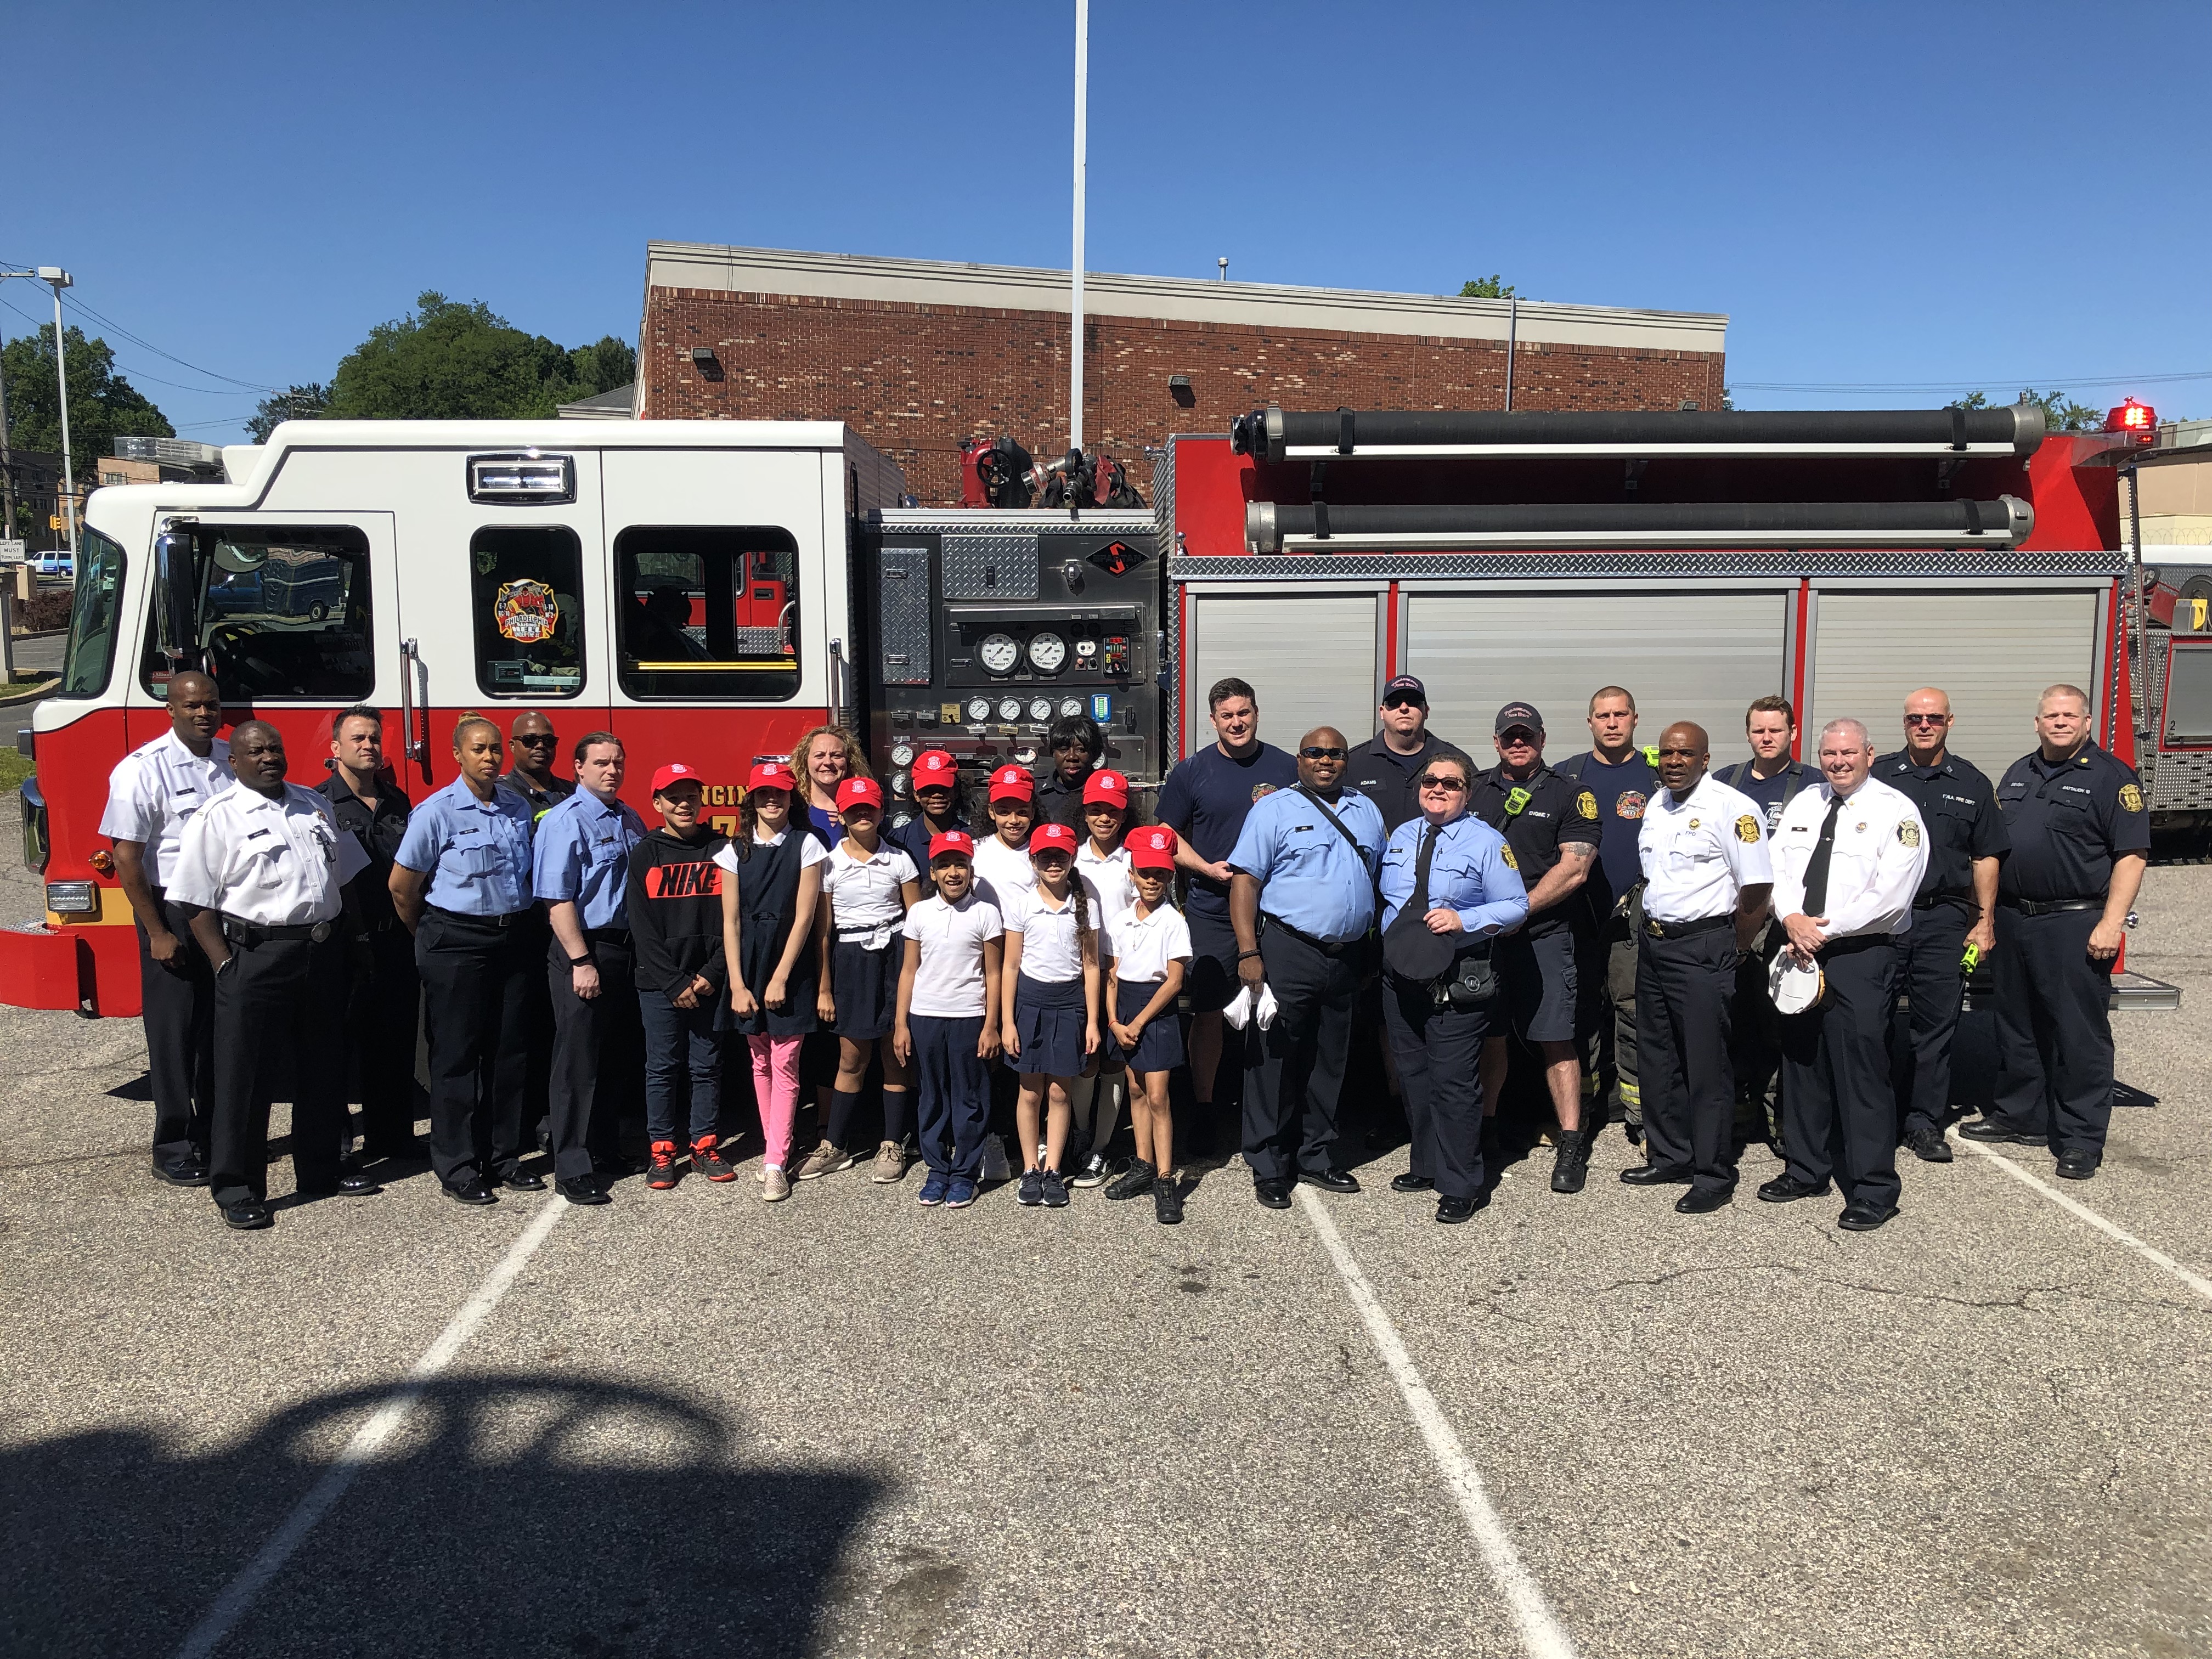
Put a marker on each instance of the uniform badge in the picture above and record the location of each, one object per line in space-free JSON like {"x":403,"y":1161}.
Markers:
{"x":1908,"y":831}
{"x":1694,"y":824}
{"x":1586,"y":803}
{"x":526,"y":611}
{"x":1511,"y":863}
{"x":2132,"y":799}
{"x":1746,"y":829}
{"x":1859,"y":828}
{"x":1629,"y":804}
{"x":1260,"y":789}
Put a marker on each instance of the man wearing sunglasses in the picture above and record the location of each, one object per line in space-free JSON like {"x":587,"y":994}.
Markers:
{"x":1384,"y":768}
{"x":1550,"y":828}
{"x":535,"y":776}
{"x":1302,"y":899}
{"x":1954,"y":908}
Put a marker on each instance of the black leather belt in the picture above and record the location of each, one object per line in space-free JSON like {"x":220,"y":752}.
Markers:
{"x":1659,"y":929}
{"x":1935,"y":899}
{"x":607,"y":935}
{"x":1340,"y":948}
{"x":507,"y":920}
{"x":2051,"y":907}
{"x":239,"y":931}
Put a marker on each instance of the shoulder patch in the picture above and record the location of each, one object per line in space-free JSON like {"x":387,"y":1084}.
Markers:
{"x":1586,"y":804}
{"x":2132,"y":798}
{"x":1746,"y":829}
{"x":1511,"y":863}
{"x":1260,"y":789}
{"x":1908,"y":831}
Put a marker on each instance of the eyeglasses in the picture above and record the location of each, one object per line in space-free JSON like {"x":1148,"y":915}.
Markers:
{"x":1315,"y":752}
{"x":1927,"y":720}
{"x":1518,"y":738}
{"x":1438,"y":781}
{"x":537,"y":740}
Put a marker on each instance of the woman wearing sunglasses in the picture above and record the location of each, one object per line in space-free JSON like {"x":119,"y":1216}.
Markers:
{"x":1448,"y":888}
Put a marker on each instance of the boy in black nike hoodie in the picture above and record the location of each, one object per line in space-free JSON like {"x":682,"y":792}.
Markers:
{"x":674,"y":899}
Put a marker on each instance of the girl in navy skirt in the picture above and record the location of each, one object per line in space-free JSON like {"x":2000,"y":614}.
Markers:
{"x":1102,"y":864}
{"x":867,"y":886}
{"x":1051,"y":999}
{"x":1150,"y":946}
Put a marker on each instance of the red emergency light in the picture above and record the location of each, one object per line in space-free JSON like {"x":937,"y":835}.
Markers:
{"x":2138,"y":421}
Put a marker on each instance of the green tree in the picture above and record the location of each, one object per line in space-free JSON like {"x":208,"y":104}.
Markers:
{"x":446,"y":360}
{"x":299,"y":403}
{"x":1485,"y":288}
{"x":102,"y":407}
{"x":600,"y":367}
{"x":2061,"y":413}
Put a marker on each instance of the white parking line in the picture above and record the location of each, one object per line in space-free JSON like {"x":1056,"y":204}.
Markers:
{"x":2158,"y":1259}
{"x":238,"y":1595}
{"x":1539,"y":1630}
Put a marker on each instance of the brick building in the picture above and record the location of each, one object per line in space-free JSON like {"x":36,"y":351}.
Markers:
{"x":918,"y":354}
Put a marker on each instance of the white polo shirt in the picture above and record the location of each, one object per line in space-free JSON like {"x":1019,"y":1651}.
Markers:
{"x":811,"y":850}
{"x":1109,"y":877}
{"x":949,"y":983}
{"x":866,"y":904}
{"x":1699,"y":853}
{"x":1051,"y":950}
{"x":154,"y":792}
{"x":276,"y":863}
{"x":1001,"y":871}
{"x":1881,"y":853}
{"x":1143,"y":946}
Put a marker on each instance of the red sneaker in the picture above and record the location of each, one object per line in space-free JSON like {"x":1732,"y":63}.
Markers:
{"x":706,"y":1158}
{"x":663,"y":1174}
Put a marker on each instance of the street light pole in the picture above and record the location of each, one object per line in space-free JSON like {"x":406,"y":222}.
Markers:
{"x":1075,"y":302}
{"x":59,"y":279}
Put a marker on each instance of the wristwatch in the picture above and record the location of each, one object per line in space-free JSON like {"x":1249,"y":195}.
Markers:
{"x":583,"y":962}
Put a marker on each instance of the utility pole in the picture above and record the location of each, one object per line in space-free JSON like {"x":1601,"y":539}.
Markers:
{"x":59,"y":279}
{"x":7,"y":463}
{"x":1082,"y":119}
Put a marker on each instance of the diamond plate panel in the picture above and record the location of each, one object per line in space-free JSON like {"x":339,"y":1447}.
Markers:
{"x":990,"y":567}
{"x":902,"y":615}
{"x":1412,"y":567}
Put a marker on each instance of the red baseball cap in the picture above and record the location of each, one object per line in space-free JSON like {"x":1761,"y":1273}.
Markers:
{"x":771,"y":774}
{"x":1107,"y":786}
{"x":935,"y":769}
{"x":674,"y":772}
{"x":1050,"y":838}
{"x":1152,"y":847}
{"x":860,"y":792}
{"x":1013,"y":782}
{"x":952,"y":841}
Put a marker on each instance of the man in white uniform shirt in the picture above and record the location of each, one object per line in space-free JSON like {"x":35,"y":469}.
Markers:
{"x":260,"y":870}
{"x":152,"y":795}
{"x":1703,"y":848}
{"x":1848,"y":859}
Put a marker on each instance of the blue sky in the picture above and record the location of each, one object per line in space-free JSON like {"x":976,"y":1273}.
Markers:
{"x":1949,"y":195}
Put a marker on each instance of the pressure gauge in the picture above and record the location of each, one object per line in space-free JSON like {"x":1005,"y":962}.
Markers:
{"x":899,"y":783}
{"x":1026,"y":754}
{"x":1070,"y":707}
{"x":1047,"y":653}
{"x":1041,"y":709}
{"x":901,"y":754}
{"x":1086,"y":648}
{"x":999,"y":653}
{"x":1010,"y":709}
{"x":979,"y":708}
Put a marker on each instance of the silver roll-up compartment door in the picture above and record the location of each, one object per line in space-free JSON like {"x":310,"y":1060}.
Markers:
{"x":1311,"y":661}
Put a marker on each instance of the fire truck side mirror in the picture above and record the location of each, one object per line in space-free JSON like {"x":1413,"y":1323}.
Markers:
{"x":176,"y":598}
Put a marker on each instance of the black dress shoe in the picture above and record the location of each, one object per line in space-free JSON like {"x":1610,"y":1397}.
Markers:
{"x":1650,"y":1174}
{"x":1410,"y":1182}
{"x":1864,"y":1217}
{"x":1694,"y":1202}
{"x":2078,"y":1165}
{"x":352,"y":1184}
{"x":248,"y":1215}
{"x":471,"y":1192}
{"x":521,"y":1180}
{"x":1996,"y":1129}
{"x":1787,"y":1189}
{"x":1929,"y":1146}
{"x":184,"y":1172}
{"x":1450,"y":1211}
{"x":581,"y":1189}
{"x":1273,"y":1192}
{"x":1331,"y":1181}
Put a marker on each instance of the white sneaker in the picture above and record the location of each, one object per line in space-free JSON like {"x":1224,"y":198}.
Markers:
{"x":1092,"y":1173}
{"x":776,"y":1186}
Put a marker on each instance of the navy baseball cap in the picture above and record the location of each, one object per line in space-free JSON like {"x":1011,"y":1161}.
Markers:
{"x":1405,"y":688}
{"x":1518,"y":714}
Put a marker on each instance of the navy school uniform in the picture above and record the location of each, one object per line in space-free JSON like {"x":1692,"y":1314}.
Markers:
{"x":1141,"y":948}
{"x":1052,"y":1007}
{"x":945,"y":1019}
{"x":866,"y":907}
{"x":766,"y":874}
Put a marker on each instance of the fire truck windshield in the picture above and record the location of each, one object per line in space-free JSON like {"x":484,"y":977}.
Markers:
{"x":90,"y":654}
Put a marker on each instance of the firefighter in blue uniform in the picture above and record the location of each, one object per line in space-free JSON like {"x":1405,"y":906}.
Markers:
{"x":2080,"y":838}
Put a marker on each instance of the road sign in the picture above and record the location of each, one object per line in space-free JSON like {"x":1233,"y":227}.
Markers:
{"x":11,"y":552}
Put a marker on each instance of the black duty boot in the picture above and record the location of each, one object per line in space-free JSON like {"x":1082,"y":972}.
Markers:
{"x":1571,"y":1167}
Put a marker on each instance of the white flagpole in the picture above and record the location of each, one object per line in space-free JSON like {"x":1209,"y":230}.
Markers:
{"x":1075,"y":272}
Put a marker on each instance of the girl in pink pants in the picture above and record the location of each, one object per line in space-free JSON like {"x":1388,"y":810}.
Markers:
{"x":769,"y":902}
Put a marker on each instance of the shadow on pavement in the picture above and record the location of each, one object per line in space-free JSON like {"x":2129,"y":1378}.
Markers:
{"x":513,"y":1514}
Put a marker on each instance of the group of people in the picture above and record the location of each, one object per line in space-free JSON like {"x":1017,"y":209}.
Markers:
{"x":1658,"y":941}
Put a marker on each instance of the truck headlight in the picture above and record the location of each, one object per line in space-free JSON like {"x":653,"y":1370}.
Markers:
{"x":72,"y":897}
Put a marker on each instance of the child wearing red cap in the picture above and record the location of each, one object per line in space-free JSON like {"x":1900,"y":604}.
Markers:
{"x":935,"y":783}
{"x":674,"y":906}
{"x":1051,"y":999}
{"x":1002,"y":858}
{"x":948,"y":1019}
{"x":1102,"y":862}
{"x":772,"y":890}
{"x":867,"y":886}
{"x":1150,"y":946}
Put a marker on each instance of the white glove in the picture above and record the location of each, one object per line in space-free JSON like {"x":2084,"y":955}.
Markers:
{"x":1265,"y":1014}
{"x":1239,"y":1008}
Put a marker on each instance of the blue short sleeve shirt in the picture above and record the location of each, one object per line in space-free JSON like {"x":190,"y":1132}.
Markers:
{"x":582,"y":856}
{"x":477,"y":853}
{"x":1309,"y":875}
{"x":1471,"y":872}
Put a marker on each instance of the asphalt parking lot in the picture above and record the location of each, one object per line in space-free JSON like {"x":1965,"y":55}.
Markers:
{"x":693,"y":1424}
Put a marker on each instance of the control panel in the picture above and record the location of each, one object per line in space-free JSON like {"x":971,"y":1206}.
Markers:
{"x":991,"y":626}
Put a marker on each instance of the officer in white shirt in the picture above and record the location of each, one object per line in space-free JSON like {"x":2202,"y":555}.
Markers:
{"x":152,"y":795}
{"x":1703,"y":848}
{"x":259,"y":871}
{"x":1849,"y":855}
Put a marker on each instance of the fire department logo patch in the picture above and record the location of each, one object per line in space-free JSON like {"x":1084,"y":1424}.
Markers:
{"x":526,"y":611}
{"x":1746,"y":829}
{"x":1511,"y":863}
{"x":1260,"y":789}
{"x":1628,"y":805}
{"x":2132,"y":799}
{"x":1586,"y":803}
{"x":1908,"y":831}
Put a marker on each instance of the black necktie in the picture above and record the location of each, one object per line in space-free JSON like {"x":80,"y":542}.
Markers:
{"x":1816,"y":871}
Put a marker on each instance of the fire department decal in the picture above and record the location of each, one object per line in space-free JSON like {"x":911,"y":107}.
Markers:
{"x":1586,"y":803}
{"x":1746,"y":829}
{"x":1260,"y":789}
{"x":2131,"y":798}
{"x":1629,"y":804}
{"x":526,"y":611}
